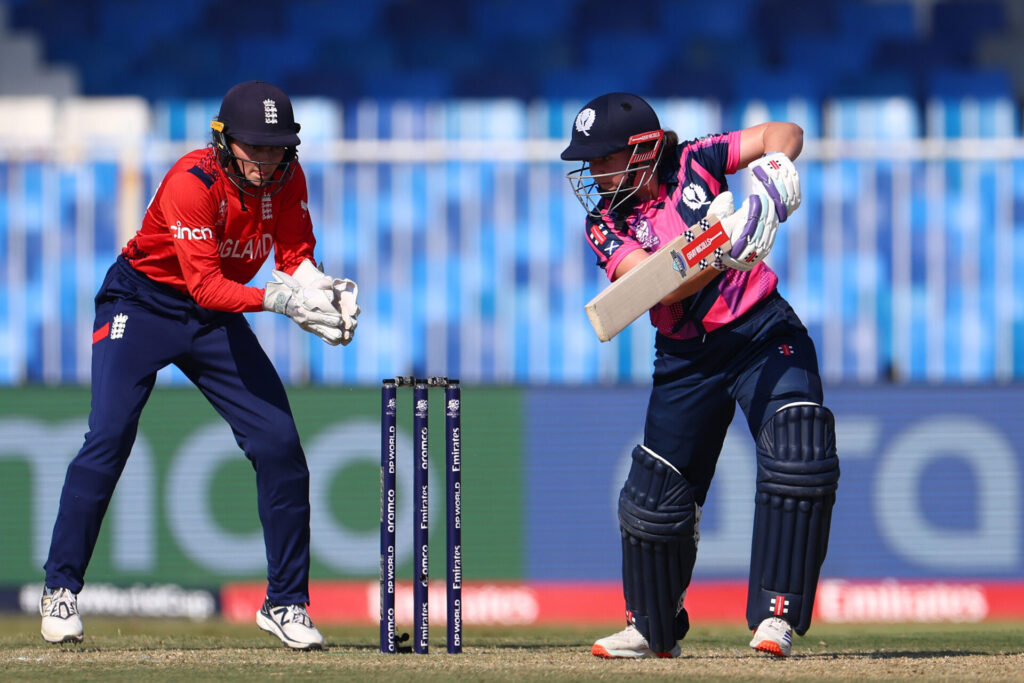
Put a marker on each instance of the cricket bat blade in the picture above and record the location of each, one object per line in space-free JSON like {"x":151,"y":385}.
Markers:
{"x":654,"y":278}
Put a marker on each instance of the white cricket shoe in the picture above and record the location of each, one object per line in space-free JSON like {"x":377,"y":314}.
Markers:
{"x":59,"y":609}
{"x":290,"y":623}
{"x":774,"y":635}
{"x":628,"y":644}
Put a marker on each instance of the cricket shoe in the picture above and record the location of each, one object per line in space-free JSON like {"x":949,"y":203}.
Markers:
{"x":775,"y":636}
{"x":628,"y":644}
{"x":290,"y":623}
{"x":59,"y":609}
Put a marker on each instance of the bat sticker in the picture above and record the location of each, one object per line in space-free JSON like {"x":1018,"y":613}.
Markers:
{"x":678,"y":264}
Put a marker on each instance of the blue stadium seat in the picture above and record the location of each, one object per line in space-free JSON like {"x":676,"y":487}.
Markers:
{"x":585,"y":84}
{"x":759,"y":83}
{"x":959,"y":24}
{"x":775,"y":20}
{"x":609,"y":17}
{"x":974,"y":82}
{"x":871,"y":21}
{"x":412,"y":83}
{"x":522,"y":48}
{"x":826,"y":54}
{"x":316,"y":20}
{"x":680,"y":21}
{"x":894,"y":82}
{"x":534,"y":19}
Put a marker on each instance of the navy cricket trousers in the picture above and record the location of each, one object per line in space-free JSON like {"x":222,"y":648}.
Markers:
{"x":142,"y":326}
{"x":761,"y":362}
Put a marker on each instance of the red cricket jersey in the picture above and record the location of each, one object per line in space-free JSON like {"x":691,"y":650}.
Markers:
{"x":198,"y":237}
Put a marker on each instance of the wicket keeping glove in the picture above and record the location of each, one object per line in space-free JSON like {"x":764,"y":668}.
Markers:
{"x":308,"y":307}
{"x":343,"y":294}
{"x":777,"y":174}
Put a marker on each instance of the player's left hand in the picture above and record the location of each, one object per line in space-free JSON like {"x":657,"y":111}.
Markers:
{"x":751,"y":229}
{"x":777,"y":174}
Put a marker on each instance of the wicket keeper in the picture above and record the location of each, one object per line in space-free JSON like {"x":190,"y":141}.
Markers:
{"x":176,"y":295}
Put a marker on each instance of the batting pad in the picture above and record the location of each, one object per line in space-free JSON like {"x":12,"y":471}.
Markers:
{"x":657,"y":517}
{"x":797,"y":475}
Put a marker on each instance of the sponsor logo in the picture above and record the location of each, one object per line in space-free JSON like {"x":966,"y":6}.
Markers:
{"x":585,"y":120}
{"x":457,"y":567}
{"x":168,"y":600}
{"x":456,"y":452}
{"x":390,"y":521}
{"x":890,"y":601}
{"x":786,"y":349}
{"x":779,"y":605}
{"x":457,"y":622}
{"x":457,"y":505}
{"x":182,"y":232}
{"x":425,"y":506}
{"x":711,"y":239}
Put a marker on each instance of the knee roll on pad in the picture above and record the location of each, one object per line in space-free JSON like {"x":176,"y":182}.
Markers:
{"x":797,"y":477}
{"x":658,"y":519}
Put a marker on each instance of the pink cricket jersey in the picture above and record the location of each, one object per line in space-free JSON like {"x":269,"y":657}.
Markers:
{"x":681,"y":202}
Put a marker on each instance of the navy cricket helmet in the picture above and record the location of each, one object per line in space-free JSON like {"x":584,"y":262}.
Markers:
{"x":608,"y":124}
{"x":260,"y":114}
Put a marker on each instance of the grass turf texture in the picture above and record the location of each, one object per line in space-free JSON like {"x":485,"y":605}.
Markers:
{"x":142,"y":649}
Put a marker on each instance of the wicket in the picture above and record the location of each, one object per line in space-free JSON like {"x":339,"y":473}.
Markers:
{"x":421,"y":511}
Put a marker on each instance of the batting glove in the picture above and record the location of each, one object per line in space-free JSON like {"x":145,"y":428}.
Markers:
{"x":751,"y":229}
{"x":777,"y":174}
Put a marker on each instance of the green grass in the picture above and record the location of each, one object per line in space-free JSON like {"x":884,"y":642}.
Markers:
{"x":148,"y":650}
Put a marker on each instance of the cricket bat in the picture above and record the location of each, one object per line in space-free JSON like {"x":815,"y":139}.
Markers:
{"x":657,"y":276}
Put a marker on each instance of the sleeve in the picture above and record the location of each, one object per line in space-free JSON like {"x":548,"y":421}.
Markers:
{"x":719,"y":154}
{"x":294,"y":241}
{"x":190,"y":210}
{"x":609,"y":244}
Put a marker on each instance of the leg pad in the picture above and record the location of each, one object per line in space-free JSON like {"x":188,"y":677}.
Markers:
{"x":658,"y":519}
{"x":797,"y":476}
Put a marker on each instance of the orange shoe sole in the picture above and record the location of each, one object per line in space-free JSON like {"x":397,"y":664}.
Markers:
{"x":771,"y":647}
{"x":600,"y":651}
